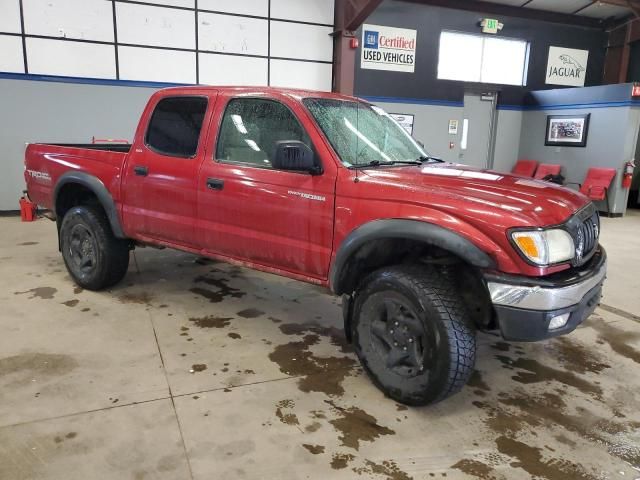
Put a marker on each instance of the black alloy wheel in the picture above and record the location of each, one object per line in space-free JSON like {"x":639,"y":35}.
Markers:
{"x":413,"y":334}
{"x":94,"y":257}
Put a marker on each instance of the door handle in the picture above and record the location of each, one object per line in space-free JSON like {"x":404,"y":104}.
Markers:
{"x":215,"y":183}
{"x":141,"y":171}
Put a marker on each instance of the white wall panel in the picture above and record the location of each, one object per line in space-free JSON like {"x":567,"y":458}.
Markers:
{"x":157,"y":26}
{"x":145,"y":24}
{"x":82,"y":19}
{"x":295,"y":40}
{"x":309,"y":75}
{"x":73,"y":59}
{"x":149,"y":64}
{"x":316,"y":11}
{"x":10,"y":16}
{"x":175,"y":3}
{"x":259,"y":8}
{"x":231,"y":34}
{"x":232,"y":70}
{"x":11,"y":59}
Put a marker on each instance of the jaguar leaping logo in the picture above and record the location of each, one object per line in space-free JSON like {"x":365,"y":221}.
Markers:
{"x":568,"y":59}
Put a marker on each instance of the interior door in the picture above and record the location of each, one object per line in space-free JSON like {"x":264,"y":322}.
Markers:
{"x":477,"y":130}
{"x":253,"y":212}
{"x":160,"y":192}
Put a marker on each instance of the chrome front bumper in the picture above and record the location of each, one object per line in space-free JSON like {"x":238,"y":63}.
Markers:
{"x":531,"y":309}
{"x":545,"y":298}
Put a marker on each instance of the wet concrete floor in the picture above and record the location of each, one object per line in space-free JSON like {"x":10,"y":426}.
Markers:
{"x":198,"y":369}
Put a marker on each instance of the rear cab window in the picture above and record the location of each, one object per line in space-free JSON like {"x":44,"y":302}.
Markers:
{"x":175,"y":126}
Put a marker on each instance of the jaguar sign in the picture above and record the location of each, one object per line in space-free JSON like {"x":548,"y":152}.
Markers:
{"x":567,"y":66}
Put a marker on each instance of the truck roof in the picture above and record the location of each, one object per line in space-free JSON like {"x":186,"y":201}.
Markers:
{"x":292,"y":92}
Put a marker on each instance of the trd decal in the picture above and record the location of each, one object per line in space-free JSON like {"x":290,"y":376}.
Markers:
{"x":39,"y":175}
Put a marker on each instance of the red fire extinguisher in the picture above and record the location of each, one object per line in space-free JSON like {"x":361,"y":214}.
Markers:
{"x":627,"y":174}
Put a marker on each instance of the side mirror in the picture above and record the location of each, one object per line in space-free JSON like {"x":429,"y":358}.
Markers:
{"x":295,"y":156}
{"x":419,"y":142}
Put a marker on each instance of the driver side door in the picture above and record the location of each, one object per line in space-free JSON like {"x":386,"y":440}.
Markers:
{"x":251,"y":211}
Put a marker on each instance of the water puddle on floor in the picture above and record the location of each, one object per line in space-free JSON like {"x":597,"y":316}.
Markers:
{"x":223,"y":290}
{"x":318,"y":374}
{"x":44,"y":293}
{"x":211,"y":321}
{"x":570,"y":398}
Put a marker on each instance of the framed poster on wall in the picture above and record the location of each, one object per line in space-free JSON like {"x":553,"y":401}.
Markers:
{"x":567,"y":130}
{"x":405,"y":121}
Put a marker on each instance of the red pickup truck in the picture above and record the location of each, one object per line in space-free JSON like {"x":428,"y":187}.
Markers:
{"x":330,"y":190}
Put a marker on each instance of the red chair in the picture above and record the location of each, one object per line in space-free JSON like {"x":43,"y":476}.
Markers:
{"x":547,"y":169}
{"x":596,"y":184}
{"x":526,"y":168}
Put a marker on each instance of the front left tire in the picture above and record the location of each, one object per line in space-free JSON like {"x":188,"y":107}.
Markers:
{"x":413,"y":334}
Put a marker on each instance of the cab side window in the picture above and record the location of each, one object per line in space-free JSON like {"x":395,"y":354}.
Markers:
{"x":252,"y":127}
{"x":175,"y":125}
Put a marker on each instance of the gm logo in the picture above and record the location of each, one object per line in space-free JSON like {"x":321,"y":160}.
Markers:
{"x":371,"y":39}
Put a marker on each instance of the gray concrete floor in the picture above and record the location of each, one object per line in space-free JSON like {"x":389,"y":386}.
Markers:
{"x":209,"y":371}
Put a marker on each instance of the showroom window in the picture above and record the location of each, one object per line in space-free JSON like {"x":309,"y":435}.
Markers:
{"x":482,"y":59}
{"x":250,"y":129}
{"x":174,"y":128}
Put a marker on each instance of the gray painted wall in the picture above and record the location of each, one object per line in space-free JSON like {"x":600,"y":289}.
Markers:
{"x":35,"y":111}
{"x":632,"y":150}
{"x":431,"y":126}
{"x":611,"y":141}
{"x":509,"y":126}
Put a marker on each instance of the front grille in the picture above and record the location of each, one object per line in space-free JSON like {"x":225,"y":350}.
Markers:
{"x":585,"y":230}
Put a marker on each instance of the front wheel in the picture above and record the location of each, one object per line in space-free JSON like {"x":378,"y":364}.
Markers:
{"x":94,"y":257}
{"x":413,"y":335}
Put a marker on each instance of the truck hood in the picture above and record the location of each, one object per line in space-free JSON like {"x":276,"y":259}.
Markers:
{"x":467,"y":191}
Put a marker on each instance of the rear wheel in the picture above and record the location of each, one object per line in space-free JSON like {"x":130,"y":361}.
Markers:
{"x":94,"y":257}
{"x":413,"y":334}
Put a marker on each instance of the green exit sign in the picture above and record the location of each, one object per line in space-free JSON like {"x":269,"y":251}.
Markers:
{"x":490,"y":25}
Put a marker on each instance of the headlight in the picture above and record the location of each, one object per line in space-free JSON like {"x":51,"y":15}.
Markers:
{"x":545,"y":247}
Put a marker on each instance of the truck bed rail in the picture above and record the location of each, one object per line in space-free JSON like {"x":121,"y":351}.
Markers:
{"x":110,"y":147}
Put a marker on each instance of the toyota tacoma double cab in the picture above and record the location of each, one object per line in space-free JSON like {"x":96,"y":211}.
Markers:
{"x":330,"y":190}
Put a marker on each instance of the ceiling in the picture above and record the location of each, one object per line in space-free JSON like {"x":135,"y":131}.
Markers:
{"x":602,"y":10}
{"x":601,"y":14}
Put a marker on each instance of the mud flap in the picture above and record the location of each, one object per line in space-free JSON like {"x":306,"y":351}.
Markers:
{"x":347,"y":314}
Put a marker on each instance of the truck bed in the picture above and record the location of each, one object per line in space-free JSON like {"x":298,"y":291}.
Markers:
{"x":46,"y":162}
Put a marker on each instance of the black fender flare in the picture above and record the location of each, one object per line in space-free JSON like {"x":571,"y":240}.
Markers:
{"x":408,"y":229}
{"x":101,"y":192}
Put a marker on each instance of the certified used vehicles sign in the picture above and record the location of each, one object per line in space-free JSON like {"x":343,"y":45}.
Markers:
{"x":388,"y":48}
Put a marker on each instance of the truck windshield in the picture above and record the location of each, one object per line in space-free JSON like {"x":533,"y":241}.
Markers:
{"x":363,"y":134}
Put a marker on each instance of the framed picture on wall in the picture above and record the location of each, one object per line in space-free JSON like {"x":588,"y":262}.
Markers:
{"x":405,"y":121}
{"x":567,"y":130}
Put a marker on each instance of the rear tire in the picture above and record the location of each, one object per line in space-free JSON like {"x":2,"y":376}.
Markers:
{"x":94,"y":257}
{"x":413,"y":335}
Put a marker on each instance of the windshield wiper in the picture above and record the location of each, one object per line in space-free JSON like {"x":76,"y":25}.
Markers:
{"x":378,"y":163}
{"x":429,"y":158}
